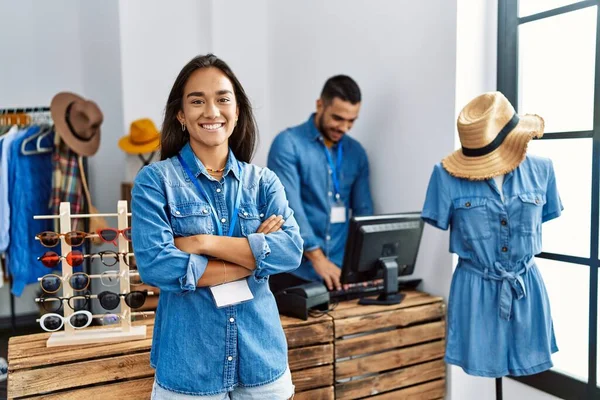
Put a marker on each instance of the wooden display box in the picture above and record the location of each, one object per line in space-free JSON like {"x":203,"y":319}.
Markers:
{"x":122,"y":370}
{"x":390,"y":352}
{"x":378,"y":352}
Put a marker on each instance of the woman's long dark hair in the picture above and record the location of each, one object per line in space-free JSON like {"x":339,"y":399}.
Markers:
{"x":245,"y":134}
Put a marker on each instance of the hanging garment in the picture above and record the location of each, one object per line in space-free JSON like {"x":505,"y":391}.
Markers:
{"x":499,"y":320}
{"x":6,"y":141}
{"x":66,"y":180}
{"x":30,"y":178}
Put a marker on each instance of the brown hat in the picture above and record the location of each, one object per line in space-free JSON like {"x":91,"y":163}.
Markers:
{"x":493,"y":136}
{"x":77,"y":121}
{"x":143,"y":137}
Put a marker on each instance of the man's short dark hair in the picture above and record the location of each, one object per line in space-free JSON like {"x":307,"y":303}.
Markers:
{"x":342,"y":87}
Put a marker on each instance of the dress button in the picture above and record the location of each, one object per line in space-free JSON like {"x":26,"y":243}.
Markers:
{"x":229,"y":358}
{"x":245,"y":214}
{"x":503,"y":222}
{"x":262,"y":215}
{"x":468,"y":204}
{"x":330,"y":194}
{"x":328,"y":237}
{"x":177,"y":212}
{"x":504,"y":249}
{"x":218,"y":190}
{"x":231,"y":319}
{"x":537,"y":201}
{"x":223,"y":220}
{"x":205,"y":211}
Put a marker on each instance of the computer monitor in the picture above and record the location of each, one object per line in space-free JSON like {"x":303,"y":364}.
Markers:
{"x":382,"y":246}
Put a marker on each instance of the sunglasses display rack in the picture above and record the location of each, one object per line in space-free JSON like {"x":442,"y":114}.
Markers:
{"x":122,"y":331}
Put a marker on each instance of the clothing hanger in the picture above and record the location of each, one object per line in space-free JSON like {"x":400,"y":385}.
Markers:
{"x":45,"y":130}
{"x":38,"y":137}
{"x":5,"y":122}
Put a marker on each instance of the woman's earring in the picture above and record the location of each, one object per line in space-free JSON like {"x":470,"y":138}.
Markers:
{"x":183,"y":127}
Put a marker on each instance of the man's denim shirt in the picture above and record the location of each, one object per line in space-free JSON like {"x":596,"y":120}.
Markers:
{"x":298,"y":158}
{"x":197,"y":348}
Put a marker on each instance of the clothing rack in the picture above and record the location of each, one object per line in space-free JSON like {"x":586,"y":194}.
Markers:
{"x":38,"y":109}
{"x":24,"y":110}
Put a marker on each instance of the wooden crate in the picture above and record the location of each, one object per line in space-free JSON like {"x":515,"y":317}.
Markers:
{"x":310,"y":355}
{"x":390,"y":352}
{"x":122,"y":370}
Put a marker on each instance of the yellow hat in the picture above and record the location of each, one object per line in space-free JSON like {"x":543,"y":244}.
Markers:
{"x":143,"y":137}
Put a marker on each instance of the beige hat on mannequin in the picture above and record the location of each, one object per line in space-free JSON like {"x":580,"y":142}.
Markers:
{"x":493,"y":136}
{"x":77,"y":121}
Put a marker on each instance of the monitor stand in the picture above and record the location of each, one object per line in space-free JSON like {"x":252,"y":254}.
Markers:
{"x":390,"y":293}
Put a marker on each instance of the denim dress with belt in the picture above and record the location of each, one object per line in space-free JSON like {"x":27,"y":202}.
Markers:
{"x":499,"y":319}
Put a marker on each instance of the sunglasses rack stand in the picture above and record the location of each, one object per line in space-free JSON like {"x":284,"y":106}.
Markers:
{"x":124,"y":330}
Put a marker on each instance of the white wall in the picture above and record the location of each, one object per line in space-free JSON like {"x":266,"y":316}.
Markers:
{"x":403,"y":56}
{"x":101,"y":72}
{"x":41,"y":51}
{"x":38,"y":61}
{"x":243,"y":43}
{"x":157,"y":39}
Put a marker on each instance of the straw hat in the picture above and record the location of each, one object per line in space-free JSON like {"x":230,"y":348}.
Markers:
{"x":77,"y":121}
{"x":143,"y":137}
{"x":493,"y":136}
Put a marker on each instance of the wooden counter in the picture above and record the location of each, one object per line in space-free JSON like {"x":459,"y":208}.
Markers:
{"x":381,"y":352}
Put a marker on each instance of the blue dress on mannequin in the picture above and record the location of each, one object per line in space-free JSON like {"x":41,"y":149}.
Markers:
{"x":499,"y":319}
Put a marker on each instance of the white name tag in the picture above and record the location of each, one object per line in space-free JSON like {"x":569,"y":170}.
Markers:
{"x":231,"y":293}
{"x":338,"y":214}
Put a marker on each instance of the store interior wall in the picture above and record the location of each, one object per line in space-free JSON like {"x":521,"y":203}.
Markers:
{"x":414,"y":74}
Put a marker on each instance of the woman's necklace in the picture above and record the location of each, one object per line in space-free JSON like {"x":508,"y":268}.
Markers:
{"x":215,"y":170}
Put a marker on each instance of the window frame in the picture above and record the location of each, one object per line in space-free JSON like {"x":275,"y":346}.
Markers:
{"x":552,"y":382}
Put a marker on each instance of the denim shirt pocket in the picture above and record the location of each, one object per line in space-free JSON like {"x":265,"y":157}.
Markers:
{"x":250,"y":218}
{"x":192,"y":218}
{"x":531,"y":205}
{"x":472,"y":218}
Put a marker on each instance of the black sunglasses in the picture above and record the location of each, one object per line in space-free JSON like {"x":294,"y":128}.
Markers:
{"x":55,"y":303}
{"x":110,"y":300}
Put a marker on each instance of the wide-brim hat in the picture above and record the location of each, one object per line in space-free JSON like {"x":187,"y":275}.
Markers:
{"x":77,"y":121}
{"x":143,"y":137}
{"x":493,"y":137}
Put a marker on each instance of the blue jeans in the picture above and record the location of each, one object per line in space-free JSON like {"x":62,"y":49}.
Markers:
{"x":281,"y":389}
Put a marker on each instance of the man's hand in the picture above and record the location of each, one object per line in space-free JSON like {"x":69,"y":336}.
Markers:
{"x":329,"y":272}
{"x":325,"y":269}
{"x":271,"y":224}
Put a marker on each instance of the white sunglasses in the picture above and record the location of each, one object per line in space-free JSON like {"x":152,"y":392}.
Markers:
{"x":78,"y":320}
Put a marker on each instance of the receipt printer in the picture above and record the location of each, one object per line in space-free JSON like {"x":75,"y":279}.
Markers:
{"x":296,"y":301}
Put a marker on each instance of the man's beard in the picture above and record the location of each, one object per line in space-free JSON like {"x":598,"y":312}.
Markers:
{"x":322,"y":129}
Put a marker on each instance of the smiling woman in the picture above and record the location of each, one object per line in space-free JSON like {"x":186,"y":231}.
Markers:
{"x":207,"y":93}
{"x":208,"y":229}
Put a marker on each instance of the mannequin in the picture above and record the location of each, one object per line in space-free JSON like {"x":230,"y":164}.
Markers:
{"x":494,"y":198}
{"x":499,"y":179}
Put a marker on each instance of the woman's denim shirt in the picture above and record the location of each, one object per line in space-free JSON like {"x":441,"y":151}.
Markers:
{"x":198,"y":348}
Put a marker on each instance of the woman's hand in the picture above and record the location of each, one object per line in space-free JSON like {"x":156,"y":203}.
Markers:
{"x":271,"y":224}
